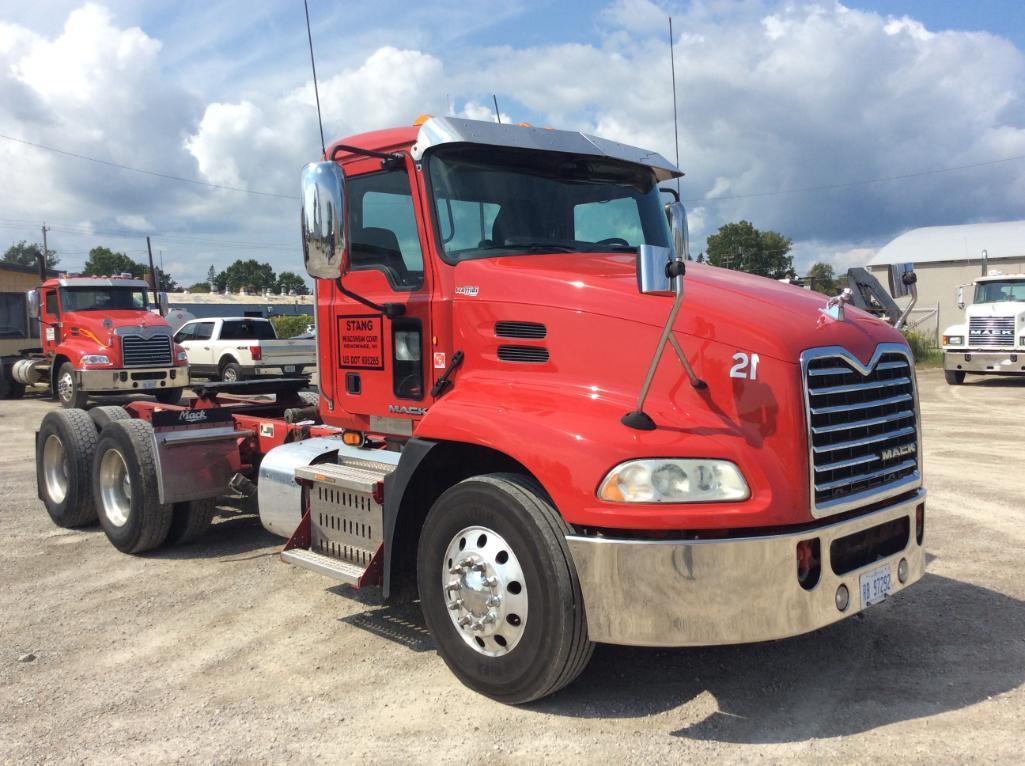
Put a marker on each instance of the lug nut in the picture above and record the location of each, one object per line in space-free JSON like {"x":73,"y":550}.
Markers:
{"x":464,"y":621}
{"x":491,"y":582}
{"x":488,"y":618}
{"x":493,"y":601}
{"x":457,"y":604}
{"x":457,"y":569}
{"x":480,"y":566}
{"x":454,"y":585}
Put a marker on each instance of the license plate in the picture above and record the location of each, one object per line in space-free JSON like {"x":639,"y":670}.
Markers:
{"x":875,"y":586}
{"x":149,"y":384}
{"x":289,"y":368}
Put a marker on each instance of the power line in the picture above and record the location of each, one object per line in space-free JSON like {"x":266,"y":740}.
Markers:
{"x":143,"y":171}
{"x":866,"y":182}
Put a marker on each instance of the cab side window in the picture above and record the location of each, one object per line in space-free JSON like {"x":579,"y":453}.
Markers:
{"x":51,"y":303}
{"x":203,"y":331}
{"x":382,"y":228}
{"x":188,"y":332}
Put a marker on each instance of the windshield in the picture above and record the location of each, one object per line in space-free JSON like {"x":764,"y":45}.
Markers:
{"x":1000,"y":291}
{"x":491,"y":202}
{"x":102,"y":298}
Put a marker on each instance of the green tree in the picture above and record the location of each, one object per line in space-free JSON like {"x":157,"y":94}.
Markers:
{"x":701,"y":257}
{"x":221,"y":281}
{"x":821,"y":278}
{"x":168,"y":283}
{"x":103,"y":261}
{"x":289,"y":281}
{"x":250,"y":274}
{"x":742,"y":247}
{"x":24,"y":254}
{"x":211,"y":275}
{"x":199,"y":287}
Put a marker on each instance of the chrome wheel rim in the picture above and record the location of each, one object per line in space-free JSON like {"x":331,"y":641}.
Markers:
{"x":484,"y":591}
{"x":55,"y":468}
{"x":229,"y":376}
{"x":65,"y":387}
{"x":115,"y":488}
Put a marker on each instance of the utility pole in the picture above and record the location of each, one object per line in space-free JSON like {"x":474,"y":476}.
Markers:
{"x":46,"y":250}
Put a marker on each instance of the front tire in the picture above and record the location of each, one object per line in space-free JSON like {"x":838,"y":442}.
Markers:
{"x":169,"y":395}
{"x":9,"y":387}
{"x":954,"y":377}
{"x":64,"y":454}
{"x":499,"y":591}
{"x":68,"y":391}
{"x":125,"y":487}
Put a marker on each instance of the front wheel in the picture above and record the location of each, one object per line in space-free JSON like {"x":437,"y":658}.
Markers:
{"x":168,"y":395}
{"x":68,"y":391}
{"x":499,"y":591}
{"x":954,"y":377}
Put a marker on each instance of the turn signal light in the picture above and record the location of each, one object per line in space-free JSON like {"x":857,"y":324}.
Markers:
{"x":353,"y":438}
{"x":920,"y":523}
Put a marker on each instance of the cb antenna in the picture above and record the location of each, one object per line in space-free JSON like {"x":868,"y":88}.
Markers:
{"x":676,"y":125}
{"x":316,"y":92}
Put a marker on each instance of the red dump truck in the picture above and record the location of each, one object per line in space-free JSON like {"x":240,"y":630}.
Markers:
{"x":526,"y":420}
{"x":98,"y":335}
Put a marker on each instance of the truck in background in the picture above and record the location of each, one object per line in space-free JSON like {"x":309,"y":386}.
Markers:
{"x":97,"y":335}
{"x":498,"y":433}
{"x":991,"y":341}
{"x":236,"y":348}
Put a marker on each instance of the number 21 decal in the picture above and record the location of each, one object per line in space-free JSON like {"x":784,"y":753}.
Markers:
{"x":746,"y":367}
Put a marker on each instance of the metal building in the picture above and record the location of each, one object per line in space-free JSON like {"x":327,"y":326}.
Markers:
{"x":948,"y":256}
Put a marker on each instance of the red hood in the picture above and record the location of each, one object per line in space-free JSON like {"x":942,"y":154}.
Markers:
{"x":102,"y":324}
{"x":729,"y":307}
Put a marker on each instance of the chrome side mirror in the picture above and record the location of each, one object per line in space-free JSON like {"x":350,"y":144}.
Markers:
{"x":902,"y":277}
{"x":32,"y":304}
{"x":162,"y":304}
{"x":677,"y":215}
{"x":652,"y":270}
{"x":324,"y":221}
{"x":960,"y":298}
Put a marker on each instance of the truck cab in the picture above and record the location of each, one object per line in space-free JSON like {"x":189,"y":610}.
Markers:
{"x":991,"y":341}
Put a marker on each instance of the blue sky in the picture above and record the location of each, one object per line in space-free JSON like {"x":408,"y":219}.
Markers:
{"x":774,"y":97}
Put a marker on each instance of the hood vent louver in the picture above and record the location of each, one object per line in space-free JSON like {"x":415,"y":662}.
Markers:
{"x":525,"y":330}
{"x":529,"y":354}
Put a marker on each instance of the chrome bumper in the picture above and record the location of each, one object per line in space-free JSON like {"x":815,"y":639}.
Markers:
{"x":741,"y":590}
{"x":140,"y":379}
{"x":984,"y":361}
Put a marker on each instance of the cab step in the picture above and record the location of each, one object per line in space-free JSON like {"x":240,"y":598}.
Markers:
{"x":342,"y":534}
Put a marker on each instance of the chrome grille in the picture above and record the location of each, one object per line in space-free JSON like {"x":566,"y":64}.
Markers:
{"x":146,"y":352}
{"x":991,"y":331}
{"x":862,"y":427}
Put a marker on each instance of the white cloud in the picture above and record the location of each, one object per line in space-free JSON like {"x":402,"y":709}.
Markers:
{"x":773,"y":96}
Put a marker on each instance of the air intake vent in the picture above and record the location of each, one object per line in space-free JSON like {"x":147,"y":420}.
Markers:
{"x":531,"y":354}
{"x":531,"y":330}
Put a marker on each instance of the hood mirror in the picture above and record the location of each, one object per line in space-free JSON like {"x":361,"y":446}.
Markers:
{"x":904,"y":281}
{"x":162,"y":304}
{"x":324,"y":221}
{"x":32,"y":304}
{"x":960,"y":298}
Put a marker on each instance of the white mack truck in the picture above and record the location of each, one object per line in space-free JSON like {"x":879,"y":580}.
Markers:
{"x":992,"y":339}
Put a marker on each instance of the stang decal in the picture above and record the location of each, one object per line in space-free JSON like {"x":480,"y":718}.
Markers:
{"x":361,"y":342}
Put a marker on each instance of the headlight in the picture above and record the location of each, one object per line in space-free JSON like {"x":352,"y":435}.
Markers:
{"x":668,"y":480}
{"x":953,"y":340}
{"x":95,"y":359}
{"x":183,"y":356}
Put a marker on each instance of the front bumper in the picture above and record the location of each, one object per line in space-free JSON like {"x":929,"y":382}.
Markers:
{"x":732,"y":591}
{"x":984,"y":361}
{"x":136,"y":379}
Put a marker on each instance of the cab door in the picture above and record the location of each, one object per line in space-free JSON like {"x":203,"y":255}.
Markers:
{"x":49,"y":319}
{"x":380,"y":370}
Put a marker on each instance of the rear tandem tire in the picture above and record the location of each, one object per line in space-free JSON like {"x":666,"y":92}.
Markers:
{"x":190,"y":520}
{"x":107,"y":414}
{"x":65,"y":446}
{"x":954,"y":377}
{"x":504,"y":523}
{"x":124,"y":480}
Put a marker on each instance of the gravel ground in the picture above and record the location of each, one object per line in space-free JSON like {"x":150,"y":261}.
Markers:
{"x":217,"y":652}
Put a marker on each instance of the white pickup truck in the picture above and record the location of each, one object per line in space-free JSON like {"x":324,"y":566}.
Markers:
{"x":233,"y":348}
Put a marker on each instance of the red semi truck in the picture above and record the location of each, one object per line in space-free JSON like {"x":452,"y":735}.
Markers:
{"x":499,"y":432}
{"x":98,"y":336}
